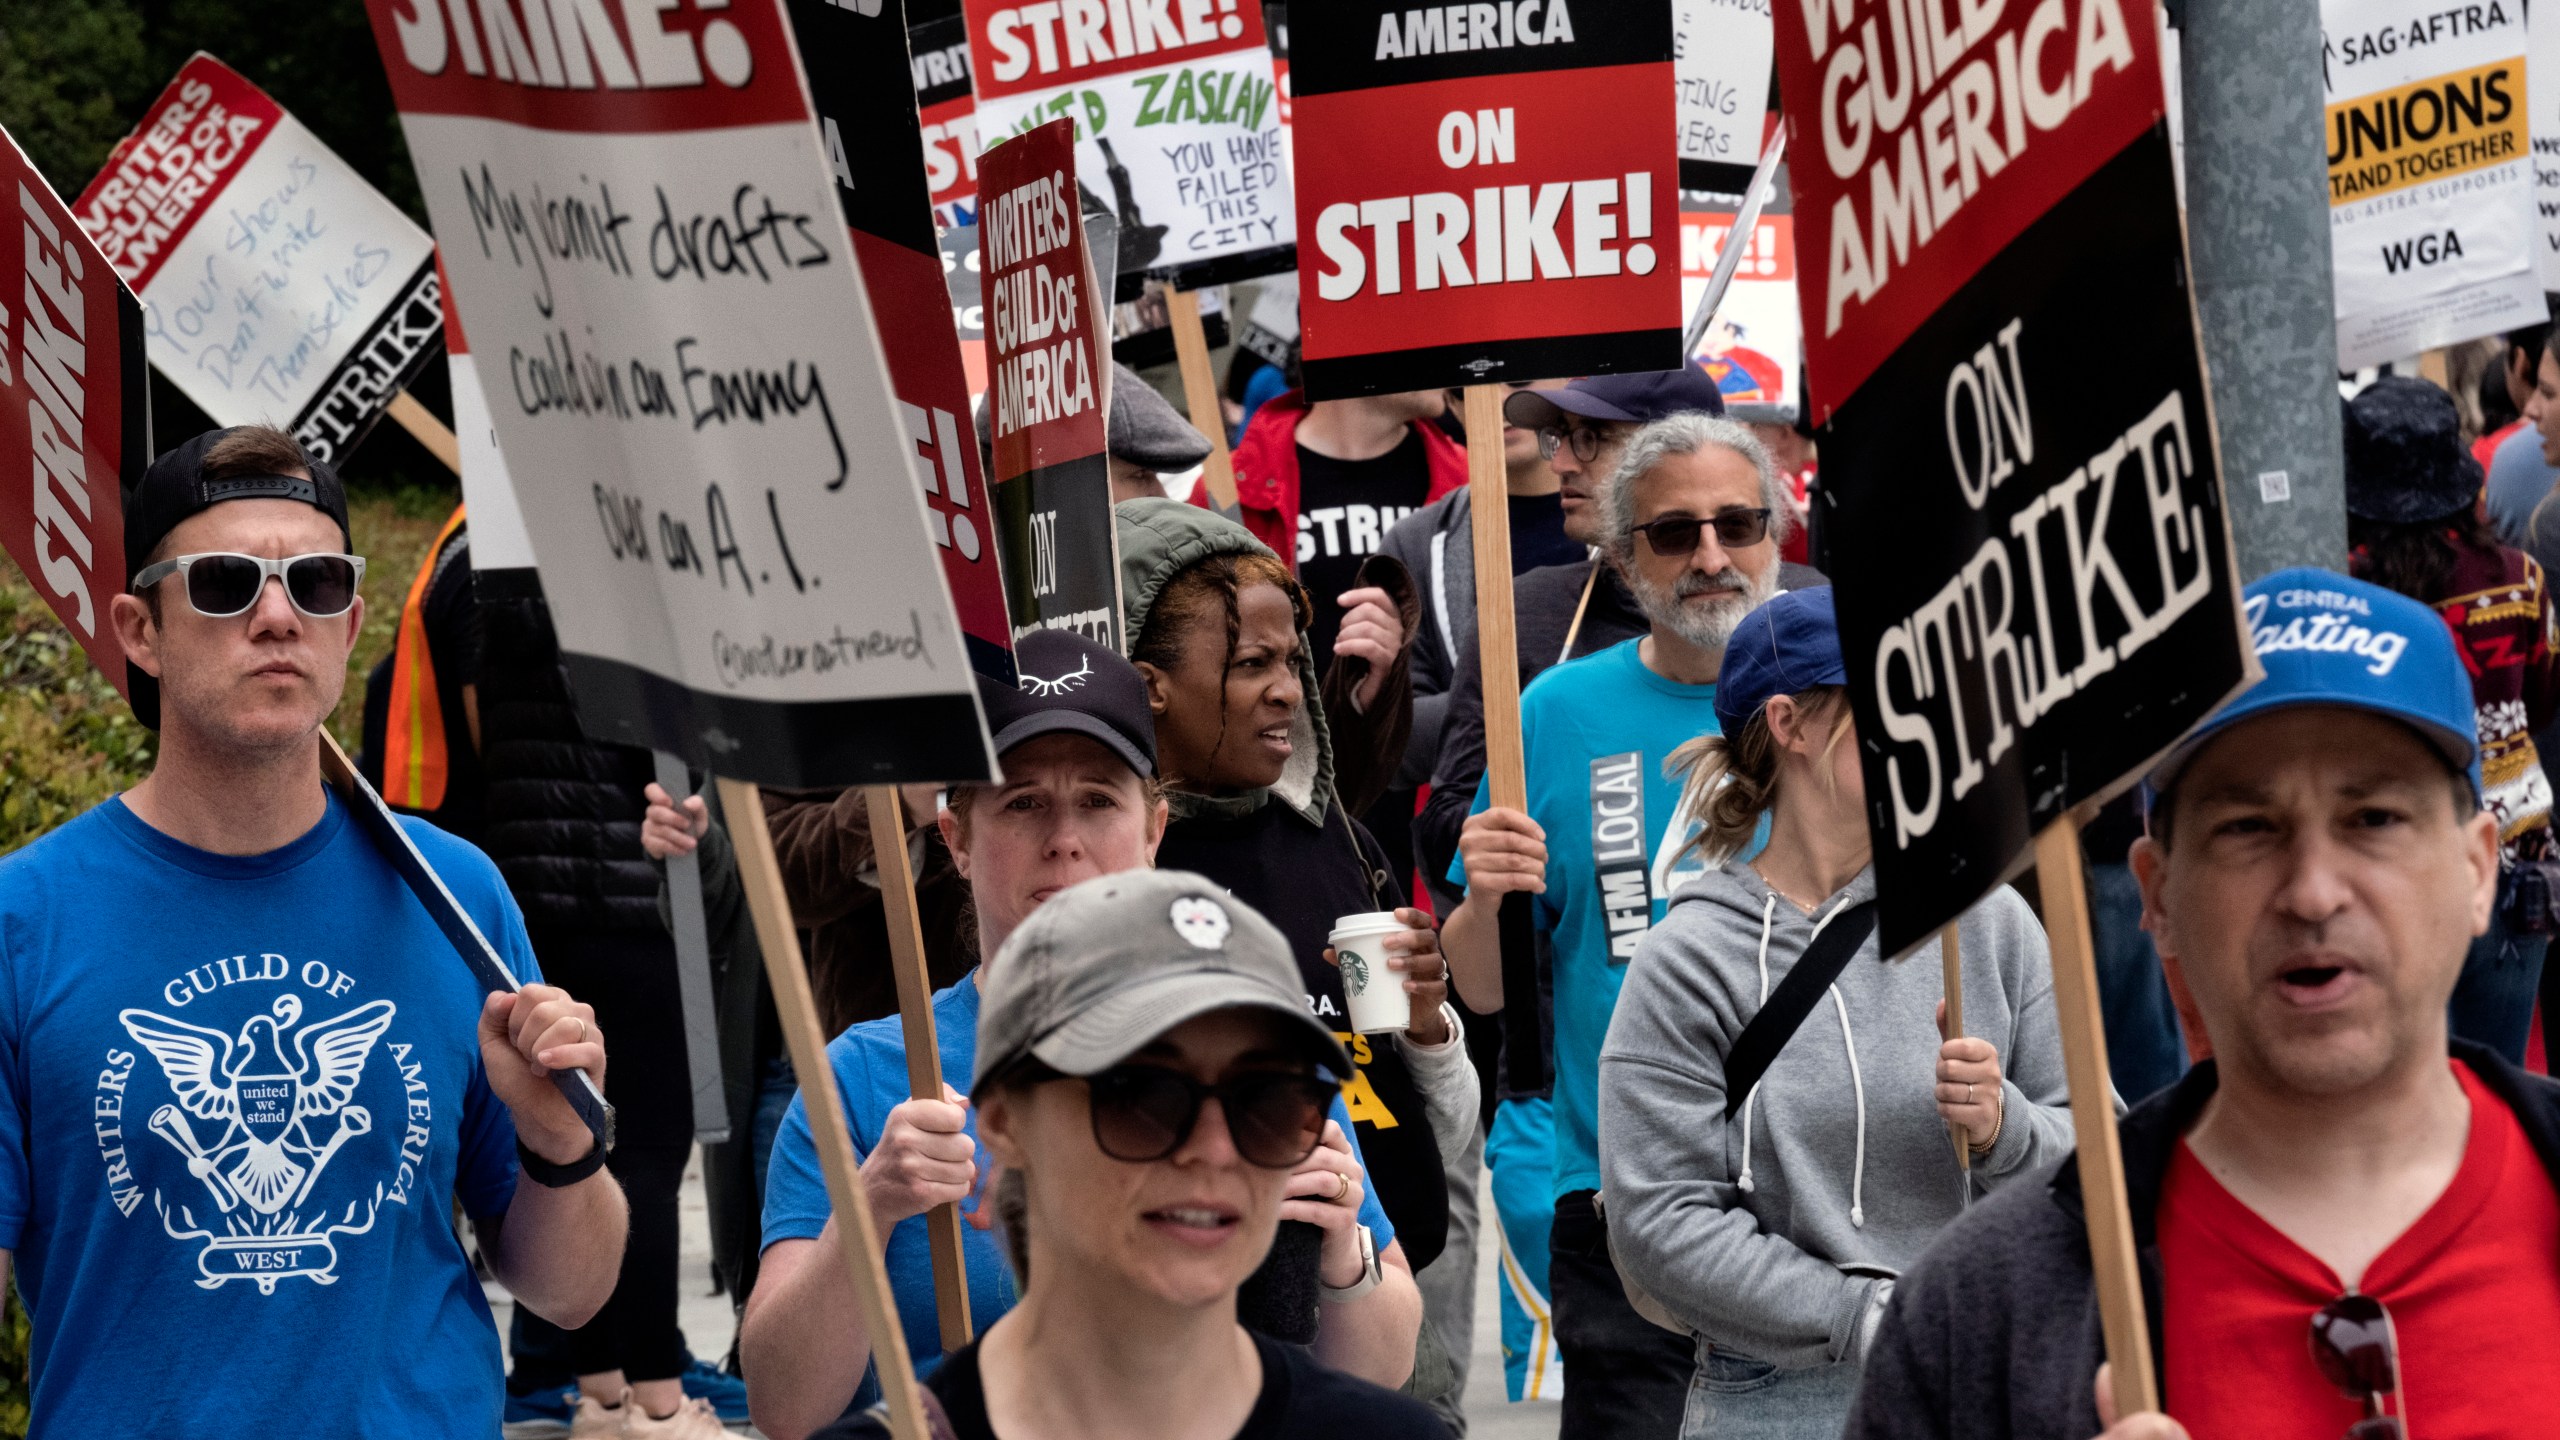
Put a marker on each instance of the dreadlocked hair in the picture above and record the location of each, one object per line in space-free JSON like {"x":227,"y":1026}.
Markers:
{"x":1188,"y":598}
{"x":2415,"y":559}
{"x":1730,"y":781}
{"x":1216,"y":580}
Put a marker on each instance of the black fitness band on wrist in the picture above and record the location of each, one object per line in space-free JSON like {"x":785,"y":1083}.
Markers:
{"x":557,"y":1177}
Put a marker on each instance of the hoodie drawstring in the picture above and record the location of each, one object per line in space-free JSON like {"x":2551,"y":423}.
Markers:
{"x":1857,"y":1083}
{"x":1767,"y":910}
{"x":1858,"y":1176}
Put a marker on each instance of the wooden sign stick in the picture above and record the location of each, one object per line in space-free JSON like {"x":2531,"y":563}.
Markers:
{"x":1951,"y":958}
{"x":859,"y":1238}
{"x":924,"y":1048}
{"x":1200,"y":393}
{"x":2093,"y":1118}
{"x":429,"y":431}
{"x":1489,"y":497}
{"x":1489,"y":494}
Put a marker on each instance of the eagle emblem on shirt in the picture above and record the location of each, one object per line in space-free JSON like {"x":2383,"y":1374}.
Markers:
{"x":279,"y":1094}
{"x":276,"y":1096}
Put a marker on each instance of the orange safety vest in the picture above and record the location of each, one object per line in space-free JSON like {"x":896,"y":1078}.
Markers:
{"x":413,"y":745}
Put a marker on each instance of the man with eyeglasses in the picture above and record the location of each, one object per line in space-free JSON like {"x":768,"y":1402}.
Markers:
{"x":1692,"y":519}
{"x":244,"y":1079}
{"x":2346,"y":1222}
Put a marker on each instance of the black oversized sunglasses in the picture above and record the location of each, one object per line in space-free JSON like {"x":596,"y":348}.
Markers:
{"x":1143,"y":1113}
{"x":1676,"y":535}
{"x":2355,"y":1345}
{"x":221,"y":583}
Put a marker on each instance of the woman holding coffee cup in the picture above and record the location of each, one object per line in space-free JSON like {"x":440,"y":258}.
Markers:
{"x":1149,"y":1078}
{"x":1218,"y":630}
{"x":1773,"y":1228}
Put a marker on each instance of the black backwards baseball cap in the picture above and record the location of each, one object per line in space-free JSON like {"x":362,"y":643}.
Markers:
{"x":1637,"y":399}
{"x":175,"y":488}
{"x":1071,"y":685}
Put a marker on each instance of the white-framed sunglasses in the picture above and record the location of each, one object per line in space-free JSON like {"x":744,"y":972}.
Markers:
{"x":222,"y":583}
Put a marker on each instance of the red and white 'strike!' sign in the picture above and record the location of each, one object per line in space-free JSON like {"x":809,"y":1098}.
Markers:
{"x":277,"y":286}
{"x":639,"y":224}
{"x":71,"y":433}
{"x":1485,"y":193}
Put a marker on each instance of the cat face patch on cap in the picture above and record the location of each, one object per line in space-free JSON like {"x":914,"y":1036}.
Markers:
{"x":1201,"y":921}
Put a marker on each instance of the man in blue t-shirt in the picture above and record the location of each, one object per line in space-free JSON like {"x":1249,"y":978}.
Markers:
{"x":1693,"y":518}
{"x":1078,"y":799}
{"x":243,"y":1076}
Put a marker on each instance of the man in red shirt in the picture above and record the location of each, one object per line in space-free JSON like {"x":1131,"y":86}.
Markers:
{"x":2347,"y":1223}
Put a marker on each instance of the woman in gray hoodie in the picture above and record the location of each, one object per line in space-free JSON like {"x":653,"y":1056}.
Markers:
{"x":1775,"y":1236}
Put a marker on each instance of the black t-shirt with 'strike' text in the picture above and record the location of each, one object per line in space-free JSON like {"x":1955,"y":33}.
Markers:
{"x":1345,"y":508}
{"x":1300,"y":1400}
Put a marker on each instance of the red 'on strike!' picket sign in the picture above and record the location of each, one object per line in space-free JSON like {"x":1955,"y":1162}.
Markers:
{"x":1485,"y":193}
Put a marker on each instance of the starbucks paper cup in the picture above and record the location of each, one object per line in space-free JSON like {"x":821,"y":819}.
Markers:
{"x":1376,"y":993}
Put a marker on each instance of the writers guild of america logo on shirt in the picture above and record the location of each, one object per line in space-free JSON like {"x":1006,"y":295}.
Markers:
{"x":252,"y":1118}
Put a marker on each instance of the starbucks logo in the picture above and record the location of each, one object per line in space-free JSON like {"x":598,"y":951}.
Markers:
{"x":1355,"y":972}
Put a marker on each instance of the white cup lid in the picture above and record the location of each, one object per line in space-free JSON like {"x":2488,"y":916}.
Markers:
{"x":1374,"y":920}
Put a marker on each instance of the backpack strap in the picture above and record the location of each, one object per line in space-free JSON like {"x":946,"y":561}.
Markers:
{"x":1835,"y":942}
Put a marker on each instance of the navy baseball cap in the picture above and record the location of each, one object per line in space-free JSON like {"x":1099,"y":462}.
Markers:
{"x":1788,"y":645}
{"x":2326,"y":639}
{"x":1068,"y":683}
{"x":1636,"y":399}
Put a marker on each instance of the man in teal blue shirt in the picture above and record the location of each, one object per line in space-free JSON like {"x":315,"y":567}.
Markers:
{"x":1693,"y":518}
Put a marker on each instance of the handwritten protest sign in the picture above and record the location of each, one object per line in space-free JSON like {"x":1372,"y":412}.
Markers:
{"x":664,"y":315}
{"x":1048,"y":400}
{"x":1485,"y":193}
{"x":71,"y":407}
{"x":2037,"y":572}
{"x":1720,"y":50}
{"x":1175,"y":108}
{"x":858,"y":81}
{"x":1754,"y":345}
{"x":938,"y":59}
{"x":2542,"y":100}
{"x":277,"y":286}
{"x":2432,"y":224}
{"x":502,"y":560}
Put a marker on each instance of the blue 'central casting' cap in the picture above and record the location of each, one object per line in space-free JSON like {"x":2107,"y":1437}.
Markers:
{"x":2326,"y":639}
{"x":1790,"y":644}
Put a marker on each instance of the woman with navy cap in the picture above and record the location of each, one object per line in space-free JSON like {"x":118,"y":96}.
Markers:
{"x":1769,"y":1217}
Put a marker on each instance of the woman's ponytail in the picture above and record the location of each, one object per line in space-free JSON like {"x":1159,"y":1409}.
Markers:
{"x":1727,"y":782}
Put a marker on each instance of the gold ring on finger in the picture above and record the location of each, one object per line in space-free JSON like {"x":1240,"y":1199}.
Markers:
{"x":1341,"y":1187}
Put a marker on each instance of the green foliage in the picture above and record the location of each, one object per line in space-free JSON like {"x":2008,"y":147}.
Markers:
{"x":13,"y":1366}
{"x":70,"y":740}
{"x":75,"y":76}
{"x":69,"y":70}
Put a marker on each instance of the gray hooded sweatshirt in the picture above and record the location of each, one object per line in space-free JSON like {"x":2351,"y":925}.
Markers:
{"x":1746,"y":1229}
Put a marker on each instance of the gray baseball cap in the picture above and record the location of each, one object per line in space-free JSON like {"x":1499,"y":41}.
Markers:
{"x":1108,"y":965}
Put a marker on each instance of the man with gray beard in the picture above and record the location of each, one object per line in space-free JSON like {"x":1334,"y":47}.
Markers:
{"x":1693,"y":519}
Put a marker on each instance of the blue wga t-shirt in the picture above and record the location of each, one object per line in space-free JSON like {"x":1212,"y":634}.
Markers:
{"x":1597,"y":733}
{"x":239,"y":1096}
{"x":870,"y":1062}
